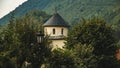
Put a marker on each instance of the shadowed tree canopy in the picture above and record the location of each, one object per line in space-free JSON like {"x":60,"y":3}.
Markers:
{"x":19,"y":36}
{"x":95,"y":32}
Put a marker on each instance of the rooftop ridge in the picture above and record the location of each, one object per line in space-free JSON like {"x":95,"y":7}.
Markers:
{"x":56,"y":20}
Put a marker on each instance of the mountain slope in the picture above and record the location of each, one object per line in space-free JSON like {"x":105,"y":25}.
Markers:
{"x":73,"y":10}
{"x":24,"y":8}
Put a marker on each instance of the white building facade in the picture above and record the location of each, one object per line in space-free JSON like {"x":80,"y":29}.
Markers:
{"x":57,"y":29}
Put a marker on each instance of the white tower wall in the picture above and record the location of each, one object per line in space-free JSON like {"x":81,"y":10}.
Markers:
{"x":57,"y":43}
{"x":49,"y":31}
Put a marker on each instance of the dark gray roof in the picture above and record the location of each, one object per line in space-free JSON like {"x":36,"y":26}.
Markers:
{"x":56,"y":20}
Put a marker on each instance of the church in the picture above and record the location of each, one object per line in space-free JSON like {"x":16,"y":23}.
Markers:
{"x":57,"y":29}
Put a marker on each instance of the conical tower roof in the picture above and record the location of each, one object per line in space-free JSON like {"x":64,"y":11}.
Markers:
{"x":56,"y":21}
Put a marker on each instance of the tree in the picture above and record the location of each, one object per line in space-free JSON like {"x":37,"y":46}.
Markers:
{"x":95,"y":32}
{"x":78,"y":57}
{"x":116,"y":28}
{"x":5,"y":62}
{"x":40,"y":53}
{"x":108,"y":62}
{"x":18,"y":36}
{"x":84,"y":56}
{"x":100,"y":36}
{"x":62,"y":59}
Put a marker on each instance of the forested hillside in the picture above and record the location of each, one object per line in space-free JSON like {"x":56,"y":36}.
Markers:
{"x":25,"y":8}
{"x":72,"y":10}
{"x":90,"y":44}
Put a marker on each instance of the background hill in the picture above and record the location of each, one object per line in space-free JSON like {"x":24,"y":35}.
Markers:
{"x":72,"y":10}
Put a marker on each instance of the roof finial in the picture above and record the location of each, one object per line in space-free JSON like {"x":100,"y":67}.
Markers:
{"x":55,"y":9}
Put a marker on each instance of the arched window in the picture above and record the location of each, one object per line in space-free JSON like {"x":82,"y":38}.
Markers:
{"x":45,"y":30}
{"x":53,"y":31}
{"x":62,"y":31}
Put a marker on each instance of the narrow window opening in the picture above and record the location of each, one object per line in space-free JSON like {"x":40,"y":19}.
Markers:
{"x":62,"y":31}
{"x":53,"y":31}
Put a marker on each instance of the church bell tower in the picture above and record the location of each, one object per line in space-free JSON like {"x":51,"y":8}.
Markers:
{"x":57,"y":28}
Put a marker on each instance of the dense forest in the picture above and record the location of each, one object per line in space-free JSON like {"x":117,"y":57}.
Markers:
{"x":91,"y":43}
{"x":71,"y":10}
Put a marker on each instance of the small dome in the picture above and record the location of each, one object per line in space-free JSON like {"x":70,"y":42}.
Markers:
{"x":56,"y":20}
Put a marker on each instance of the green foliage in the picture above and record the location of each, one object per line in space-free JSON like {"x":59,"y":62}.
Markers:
{"x":40,"y":53}
{"x":62,"y":59}
{"x":19,"y":35}
{"x":90,"y":44}
{"x":72,"y":10}
{"x":100,"y":36}
{"x":84,"y":56}
{"x":5,"y":62}
{"x":116,"y":28}
{"x":108,"y":62}
{"x":118,"y":44}
{"x":95,"y":32}
{"x":79,"y":57}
